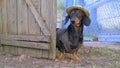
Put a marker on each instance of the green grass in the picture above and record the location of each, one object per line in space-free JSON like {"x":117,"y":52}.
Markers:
{"x":102,"y":51}
{"x":117,"y":64}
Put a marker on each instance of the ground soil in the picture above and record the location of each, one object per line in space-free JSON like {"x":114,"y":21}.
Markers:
{"x":88,"y":60}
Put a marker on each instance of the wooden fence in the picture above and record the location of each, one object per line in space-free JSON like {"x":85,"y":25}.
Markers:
{"x":28,"y":27}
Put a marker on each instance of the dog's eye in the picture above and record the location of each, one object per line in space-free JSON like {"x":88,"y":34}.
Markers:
{"x":73,"y":12}
{"x":71,"y":15}
{"x":79,"y":16}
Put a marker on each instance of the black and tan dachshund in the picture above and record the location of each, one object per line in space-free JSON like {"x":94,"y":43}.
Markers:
{"x":70,"y":39}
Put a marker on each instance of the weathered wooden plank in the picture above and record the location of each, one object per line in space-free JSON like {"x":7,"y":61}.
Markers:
{"x":34,"y":29}
{"x":12,"y":16}
{"x":26,"y":44}
{"x":1,"y":48}
{"x":52,"y":9}
{"x":30,"y":52}
{"x":49,"y":8}
{"x":38,"y":18}
{"x":21,"y":51}
{"x":53,"y":44}
{"x":45,"y":53}
{"x":13,"y":50}
{"x":44,"y":14}
{"x":1,"y":23}
{"x":0,"y":16}
{"x":4,"y":16}
{"x":12,"y":24}
{"x":33,"y":52}
{"x":6,"y":49}
{"x":26,"y":38}
{"x":10,"y":50}
{"x":22,"y":17}
{"x":37,"y":4}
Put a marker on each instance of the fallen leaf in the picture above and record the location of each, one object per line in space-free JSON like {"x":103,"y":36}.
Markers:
{"x":22,"y":57}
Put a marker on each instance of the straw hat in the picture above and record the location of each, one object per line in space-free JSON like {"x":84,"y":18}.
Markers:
{"x":68,"y":10}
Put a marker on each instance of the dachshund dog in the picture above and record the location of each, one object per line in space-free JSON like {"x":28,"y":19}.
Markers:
{"x":70,"y":39}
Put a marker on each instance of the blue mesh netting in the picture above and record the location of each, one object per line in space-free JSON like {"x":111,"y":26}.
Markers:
{"x":105,"y":19}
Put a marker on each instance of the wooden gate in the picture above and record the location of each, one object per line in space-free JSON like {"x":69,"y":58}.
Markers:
{"x":28,"y":27}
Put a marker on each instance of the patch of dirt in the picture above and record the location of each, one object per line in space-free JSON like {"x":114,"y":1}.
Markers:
{"x":90,"y":58}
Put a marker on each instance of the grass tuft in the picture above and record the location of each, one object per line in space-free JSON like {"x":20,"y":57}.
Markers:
{"x":102,"y":51}
{"x":117,"y":65}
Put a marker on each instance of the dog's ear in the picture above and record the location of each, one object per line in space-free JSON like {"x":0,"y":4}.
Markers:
{"x":66,"y":19}
{"x":86,"y":21}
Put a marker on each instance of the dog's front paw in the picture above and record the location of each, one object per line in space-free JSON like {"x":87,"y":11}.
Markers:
{"x":75,"y":57}
{"x":61,"y":56}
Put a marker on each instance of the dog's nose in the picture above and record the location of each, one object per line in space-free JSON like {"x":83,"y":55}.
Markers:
{"x":73,"y":22}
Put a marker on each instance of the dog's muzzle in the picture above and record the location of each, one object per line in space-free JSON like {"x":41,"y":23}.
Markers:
{"x":73,"y":22}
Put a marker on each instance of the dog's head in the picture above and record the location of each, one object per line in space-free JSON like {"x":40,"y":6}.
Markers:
{"x":78,"y":17}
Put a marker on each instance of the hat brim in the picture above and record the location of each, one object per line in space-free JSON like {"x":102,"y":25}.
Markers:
{"x":69,"y":9}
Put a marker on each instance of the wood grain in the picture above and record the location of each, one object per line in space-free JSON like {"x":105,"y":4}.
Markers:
{"x":41,"y":38}
{"x":26,"y":44}
{"x":38,"y":18}
{"x":4,"y":17}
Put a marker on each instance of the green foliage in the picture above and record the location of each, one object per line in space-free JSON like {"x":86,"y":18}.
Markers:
{"x":61,"y":6}
{"x":117,"y":65}
{"x":102,"y":51}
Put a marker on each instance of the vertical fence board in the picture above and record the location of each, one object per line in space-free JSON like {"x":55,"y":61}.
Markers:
{"x":22,"y":21}
{"x":5,"y":49}
{"x":37,"y":4}
{"x":44,"y":15}
{"x":12,"y":22}
{"x":21,"y":51}
{"x":0,"y":22}
{"x":33,"y":52}
{"x":10,"y":50}
{"x":34,"y":29}
{"x":4,"y":17}
{"x":22,"y":17}
{"x":38,"y":18}
{"x":17,"y":18}
{"x":1,"y":48}
{"x":53,"y":13}
{"x":49,"y":8}
{"x":0,"y":16}
{"x":12,"y":16}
